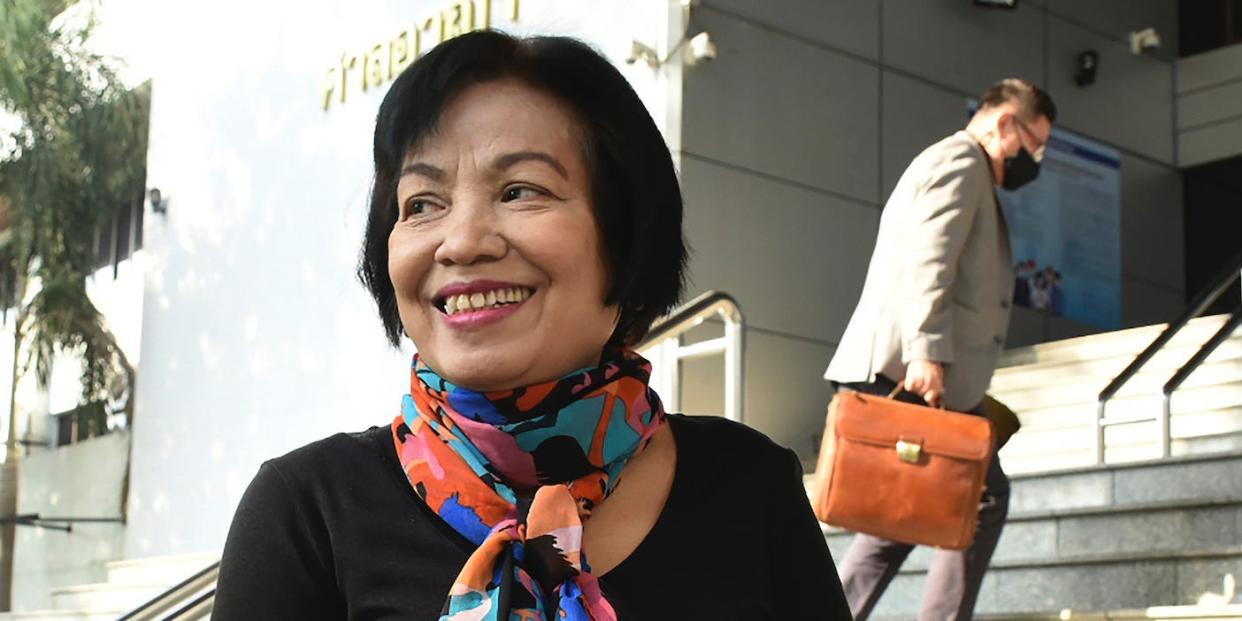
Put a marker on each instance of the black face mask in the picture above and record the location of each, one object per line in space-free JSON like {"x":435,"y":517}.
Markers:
{"x":1020,"y":170}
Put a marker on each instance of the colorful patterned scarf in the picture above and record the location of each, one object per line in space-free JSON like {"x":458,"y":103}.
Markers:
{"x":467,"y":453}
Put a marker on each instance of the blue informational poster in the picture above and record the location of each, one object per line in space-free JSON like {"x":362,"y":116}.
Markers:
{"x":1065,"y":228}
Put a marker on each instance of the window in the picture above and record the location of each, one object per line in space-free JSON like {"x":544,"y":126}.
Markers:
{"x":119,"y":237}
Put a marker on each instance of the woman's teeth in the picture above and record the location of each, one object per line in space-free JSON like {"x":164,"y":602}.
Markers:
{"x":479,"y":301}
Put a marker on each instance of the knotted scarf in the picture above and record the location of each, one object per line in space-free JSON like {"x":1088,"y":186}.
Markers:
{"x":467,"y":454}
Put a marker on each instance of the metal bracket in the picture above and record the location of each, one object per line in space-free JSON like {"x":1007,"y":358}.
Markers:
{"x":64,"y":524}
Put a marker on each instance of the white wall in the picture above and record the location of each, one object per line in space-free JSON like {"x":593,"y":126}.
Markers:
{"x":256,"y":338}
{"x":1209,"y":106}
{"x":82,"y":480}
{"x":793,"y":138}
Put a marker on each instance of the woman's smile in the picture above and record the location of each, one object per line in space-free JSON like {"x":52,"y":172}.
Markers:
{"x":468,"y":305}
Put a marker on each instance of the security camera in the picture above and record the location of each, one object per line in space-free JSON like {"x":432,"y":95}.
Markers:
{"x":1143,"y":40}
{"x":702,"y":49}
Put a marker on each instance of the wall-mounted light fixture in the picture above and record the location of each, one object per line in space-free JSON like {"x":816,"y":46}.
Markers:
{"x":159,"y":202}
{"x":1084,"y":70}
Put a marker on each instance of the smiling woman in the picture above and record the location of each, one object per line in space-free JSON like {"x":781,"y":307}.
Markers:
{"x":525,"y":231}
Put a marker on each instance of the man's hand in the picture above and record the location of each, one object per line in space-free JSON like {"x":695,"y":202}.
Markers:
{"x":925,"y":379}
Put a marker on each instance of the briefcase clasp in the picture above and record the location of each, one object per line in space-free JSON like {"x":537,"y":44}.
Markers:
{"x":909,"y":452}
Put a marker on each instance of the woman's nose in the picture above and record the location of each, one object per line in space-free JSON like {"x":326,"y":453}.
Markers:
{"x":473,"y":234}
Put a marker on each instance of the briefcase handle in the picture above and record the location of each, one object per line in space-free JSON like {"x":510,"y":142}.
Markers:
{"x":897,"y":390}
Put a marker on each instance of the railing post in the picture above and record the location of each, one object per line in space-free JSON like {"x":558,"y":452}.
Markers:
{"x":674,"y":372}
{"x":1166,"y":428}
{"x":734,"y":379}
{"x":1099,"y":433}
{"x":670,"y":373}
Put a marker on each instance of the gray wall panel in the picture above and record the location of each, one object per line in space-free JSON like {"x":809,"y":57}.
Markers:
{"x":785,"y":108}
{"x":966,"y":47}
{"x":1209,"y":68}
{"x":1145,"y":304}
{"x":1153,"y":246}
{"x":1130,"y":104}
{"x":1210,"y":143}
{"x":852,"y":25}
{"x":916,"y":115}
{"x":795,"y":259}
{"x":1210,"y":105}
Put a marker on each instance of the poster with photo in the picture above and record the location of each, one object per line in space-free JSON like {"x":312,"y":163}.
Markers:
{"x":1065,"y":229}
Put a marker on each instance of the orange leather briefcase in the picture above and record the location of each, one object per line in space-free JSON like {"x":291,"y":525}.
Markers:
{"x":900,"y":471}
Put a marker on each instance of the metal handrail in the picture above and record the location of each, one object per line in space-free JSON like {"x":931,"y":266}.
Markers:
{"x":197,"y":608}
{"x":691,"y":314}
{"x":670,"y":329}
{"x":1206,"y":298}
{"x":177,"y":596}
{"x":1175,"y":382}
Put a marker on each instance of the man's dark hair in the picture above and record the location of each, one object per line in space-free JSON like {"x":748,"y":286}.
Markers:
{"x":634,"y":190}
{"x":1032,"y":101}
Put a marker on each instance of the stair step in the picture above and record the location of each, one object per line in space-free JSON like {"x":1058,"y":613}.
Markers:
{"x":161,"y":569}
{"x":61,"y":615}
{"x":1128,"y":443}
{"x":1081,"y":434}
{"x":1186,"y":400}
{"x":1167,"y":360}
{"x":1109,"y":344}
{"x":105,"y":596}
{"x":1204,"y":446}
{"x":1081,"y":388}
{"x":1116,"y":582}
{"x":1153,"y":613}
{"x":1192,"y":479}
{"x":1149,"y":531}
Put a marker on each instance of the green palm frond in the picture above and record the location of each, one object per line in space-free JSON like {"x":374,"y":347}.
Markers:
{"x":78,"y":155}
{"x":60,"y":318}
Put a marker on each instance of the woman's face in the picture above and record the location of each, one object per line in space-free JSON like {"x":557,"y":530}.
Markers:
{"x":496,"y":258}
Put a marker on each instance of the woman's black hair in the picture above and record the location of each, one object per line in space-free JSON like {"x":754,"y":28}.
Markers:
{"x":634,"y":189}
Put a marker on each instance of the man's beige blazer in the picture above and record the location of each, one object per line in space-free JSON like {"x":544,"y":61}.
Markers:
{"x":940,"y":282}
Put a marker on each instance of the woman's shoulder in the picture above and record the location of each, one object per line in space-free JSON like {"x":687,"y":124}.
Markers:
{"x":341,"y":457}
{"x":722,"y":445}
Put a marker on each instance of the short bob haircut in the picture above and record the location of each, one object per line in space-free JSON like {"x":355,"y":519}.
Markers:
{"x":634,"y":190}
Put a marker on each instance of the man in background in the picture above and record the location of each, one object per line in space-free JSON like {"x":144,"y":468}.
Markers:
{"x":934,"y":313}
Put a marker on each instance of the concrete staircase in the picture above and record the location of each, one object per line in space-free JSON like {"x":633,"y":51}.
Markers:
{"x":1136,"y":538}
{"x":1053,"y":389}
{"x":1116,"y":538}
{"x":130,"y":583}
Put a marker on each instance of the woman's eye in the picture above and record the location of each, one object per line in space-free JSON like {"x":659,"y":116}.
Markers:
{"x":418,"y":206}
{"x":519,"y":192}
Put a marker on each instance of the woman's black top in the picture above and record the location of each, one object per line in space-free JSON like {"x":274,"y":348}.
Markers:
{"x":333,"y":530}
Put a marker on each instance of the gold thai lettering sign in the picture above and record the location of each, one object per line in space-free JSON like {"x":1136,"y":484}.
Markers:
{"x":384,"y":61}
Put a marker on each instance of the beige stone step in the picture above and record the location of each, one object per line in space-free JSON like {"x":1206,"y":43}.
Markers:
{"x":1109,"y":344}
{"x":1103,"y":370}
